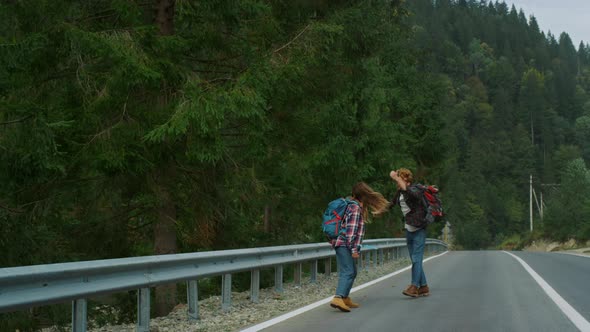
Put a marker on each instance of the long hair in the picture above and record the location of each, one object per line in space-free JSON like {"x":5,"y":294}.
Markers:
{"x":370,"y":198}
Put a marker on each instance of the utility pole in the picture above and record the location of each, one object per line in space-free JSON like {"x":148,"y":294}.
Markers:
{"x":542,"y":203}
{"x":531,"y":201}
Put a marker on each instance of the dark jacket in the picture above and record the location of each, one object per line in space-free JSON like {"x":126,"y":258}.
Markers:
{"x":414,"y":199}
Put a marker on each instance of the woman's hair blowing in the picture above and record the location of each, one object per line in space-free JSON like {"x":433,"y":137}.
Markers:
{"x":370,"y":198}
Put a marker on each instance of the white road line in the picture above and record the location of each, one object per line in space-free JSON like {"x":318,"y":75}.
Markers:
{"x":578,"y":320}
{"x":308,"y":307}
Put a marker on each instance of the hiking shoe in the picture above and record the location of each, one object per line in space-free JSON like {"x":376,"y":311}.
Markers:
{"x":424,"y":290}
{"x":411,"y":291}
{"x":338,"y":303}
{"x":349,"y":303}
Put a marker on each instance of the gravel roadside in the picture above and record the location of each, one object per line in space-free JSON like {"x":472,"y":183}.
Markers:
{"x":243,"y":312}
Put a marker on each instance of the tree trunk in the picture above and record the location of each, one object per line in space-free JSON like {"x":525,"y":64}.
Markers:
{"x":267,"y":214}
{"x":165,"y":228}
{"x":165,"y":17}
{"x":164,"y":244}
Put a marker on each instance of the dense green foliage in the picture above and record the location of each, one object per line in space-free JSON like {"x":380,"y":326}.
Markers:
{"x":233,"y":123}
{"x":520,"y":107}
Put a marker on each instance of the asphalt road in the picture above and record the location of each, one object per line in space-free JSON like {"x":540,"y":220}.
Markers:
{"x":470,"y":291}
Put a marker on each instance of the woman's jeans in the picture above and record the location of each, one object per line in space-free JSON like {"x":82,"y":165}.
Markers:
{"x":346,"y":271}
{"x":416,"y":241}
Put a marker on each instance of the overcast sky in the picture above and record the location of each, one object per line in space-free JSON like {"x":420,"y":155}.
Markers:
{"x":571,"y":16}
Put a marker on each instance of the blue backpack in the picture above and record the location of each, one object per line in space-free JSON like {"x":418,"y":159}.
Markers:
{"x":333,"y":217}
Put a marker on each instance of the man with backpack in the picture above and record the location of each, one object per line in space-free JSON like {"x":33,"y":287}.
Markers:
{"x":410,"y":198}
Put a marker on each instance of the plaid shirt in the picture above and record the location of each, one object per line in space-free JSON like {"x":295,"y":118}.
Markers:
{"x":414,"y":200}
{"x":355,"y":229}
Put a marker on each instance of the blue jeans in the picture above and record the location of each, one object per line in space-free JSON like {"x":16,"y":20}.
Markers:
{"x":346,"y":271}
{"x":416,"y":241}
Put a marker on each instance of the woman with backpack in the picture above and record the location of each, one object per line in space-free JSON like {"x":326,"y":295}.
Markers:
{"x":410,"y":199}
{"x":348,"y":244}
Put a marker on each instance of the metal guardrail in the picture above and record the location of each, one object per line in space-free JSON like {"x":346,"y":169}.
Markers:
{"x":29,"y":286}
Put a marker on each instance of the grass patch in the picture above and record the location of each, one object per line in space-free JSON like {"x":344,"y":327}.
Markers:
{"x":513,"y":242}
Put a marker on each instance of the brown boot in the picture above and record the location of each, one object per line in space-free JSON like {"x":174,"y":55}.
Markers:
{"x":338,"y":303}
{"x":349,"y":303}
{"x":424,"y":290}
{"x":411,"y":291}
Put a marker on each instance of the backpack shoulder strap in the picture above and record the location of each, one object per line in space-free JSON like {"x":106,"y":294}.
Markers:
{"x":350,"y":201}
{"x":419,"y":186}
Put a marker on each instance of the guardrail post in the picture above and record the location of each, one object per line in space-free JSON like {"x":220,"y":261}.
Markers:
{"x":381,"y":257}
{"x":328,"y":266}
{"x":279,"y":278}
{"x":297,"y":274}
{"x":192,"y":299}
{"x":374,"y":256}
{"x":79,"y":315}
{"x":226,"y":292}
{"x":254,"y":285}
{"x":359,"y":262}
{"x":313,"y":271}
{"x":143,"y":310}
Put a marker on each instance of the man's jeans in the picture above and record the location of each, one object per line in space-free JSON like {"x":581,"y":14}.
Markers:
{"x":346,"y":271}
{"x":416,"y":241}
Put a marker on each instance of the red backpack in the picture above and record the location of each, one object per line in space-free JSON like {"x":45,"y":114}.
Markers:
{"x":432,"y":202}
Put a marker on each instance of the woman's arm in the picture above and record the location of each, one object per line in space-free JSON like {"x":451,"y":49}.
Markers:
{"x":401,"y":184}
{"x":353,"y":227}
{"x":410,"y":192}
{"x":395,"y":199}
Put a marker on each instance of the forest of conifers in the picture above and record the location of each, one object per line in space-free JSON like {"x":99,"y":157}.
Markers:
{"x":133,"y":128}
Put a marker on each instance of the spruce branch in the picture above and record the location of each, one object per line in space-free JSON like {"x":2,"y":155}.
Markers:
{"x":122,"y":117}
{"x":215,"y":62}
{"x":16,"y":121}
{"x":292,"y":40}
{"x":10,"y":209}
